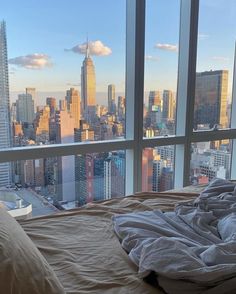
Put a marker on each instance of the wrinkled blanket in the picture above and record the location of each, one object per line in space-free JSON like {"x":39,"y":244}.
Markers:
{"x":193,"y":248}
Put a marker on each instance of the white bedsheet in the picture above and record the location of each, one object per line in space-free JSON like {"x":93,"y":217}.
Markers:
{"x":194,"y":246}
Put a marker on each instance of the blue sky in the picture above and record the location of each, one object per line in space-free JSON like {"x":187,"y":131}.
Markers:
{"x":39,"y":31}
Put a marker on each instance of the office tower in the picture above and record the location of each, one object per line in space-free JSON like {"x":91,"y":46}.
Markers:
{"x":73,"y":105}
{"x":158,"y":165}
{"x":111,"y":99}
{"x":52,"y":103}
{"x":32,"y":92}
{"x":27,"y":172}
{"x":66,"y":164}
{"x":13,"y":112}
{"x":62,"y":105}
{"x":154,"y":101}
{"x":147,"y":169}
{"x":155,"y":108}
{"x":84,"y":133}
{"x":211,"y":98}
{"x":25,"y":108}
{"x":88,"y":86}
{"x":167,"y":179}
{"x":84,"y":175}
{"x":42,"y":125}
{"x":5,"y":125}
{"x":121,"y":107}
{"x":168,"y":105}
{"x":84,"y":167}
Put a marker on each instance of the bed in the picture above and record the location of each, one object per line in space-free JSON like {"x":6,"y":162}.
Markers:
{"x":77,"y":251}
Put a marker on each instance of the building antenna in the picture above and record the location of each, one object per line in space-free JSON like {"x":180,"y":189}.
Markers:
{"x":87,"y":47}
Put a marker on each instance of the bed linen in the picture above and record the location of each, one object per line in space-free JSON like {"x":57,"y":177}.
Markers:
{"x":83,"y":250}
{"x":192,"y":249}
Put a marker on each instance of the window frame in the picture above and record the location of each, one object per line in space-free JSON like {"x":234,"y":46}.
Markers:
{"x":134,"y":142}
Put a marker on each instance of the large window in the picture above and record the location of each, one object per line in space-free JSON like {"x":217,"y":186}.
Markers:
{"x":100,"y":114}
{"x":161,"y":67}
{"x":215,"y":59}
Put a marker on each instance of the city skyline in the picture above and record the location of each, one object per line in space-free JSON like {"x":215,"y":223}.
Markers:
{"x":47,"y":60}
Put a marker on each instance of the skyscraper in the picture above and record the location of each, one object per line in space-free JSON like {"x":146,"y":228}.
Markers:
{"x":168,"y":105}
{"x":32,"y":92}
{"x":73,"y":105}
{"x":66,"y":164}
{"x":211,"y":98}
{"x":5,"y":125}
{"x":154,"y":101}
{"x":25,"y":108}
{"x":111,"y":99}
{"x":52,"y":103}
{"x":88,"y":85}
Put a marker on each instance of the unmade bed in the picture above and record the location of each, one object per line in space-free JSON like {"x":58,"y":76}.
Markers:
{"x":80,"y":251}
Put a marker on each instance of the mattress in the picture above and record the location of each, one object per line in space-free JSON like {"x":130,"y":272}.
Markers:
{"x":83,"y":250}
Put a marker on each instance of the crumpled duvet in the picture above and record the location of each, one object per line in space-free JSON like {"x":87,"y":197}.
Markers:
{"x":193,"y":248}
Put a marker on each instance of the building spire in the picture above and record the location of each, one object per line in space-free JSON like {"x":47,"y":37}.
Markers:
{"x":87,"y":48}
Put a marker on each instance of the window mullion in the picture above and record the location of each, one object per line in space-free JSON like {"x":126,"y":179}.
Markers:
{"x":233,"y":121}
{"x":186,"y":88}
{"x":135,"y":42}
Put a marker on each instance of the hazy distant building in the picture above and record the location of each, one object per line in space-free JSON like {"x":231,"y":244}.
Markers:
{"x":25,"y":108}
{"x":5,"y":125}
{"x":211,"y":98}
{"x":66,"y":164}
{"x":52,"y":103}
{"x":111,"y":99}
{"x":88,"y":86}
{"x":32,"y":92}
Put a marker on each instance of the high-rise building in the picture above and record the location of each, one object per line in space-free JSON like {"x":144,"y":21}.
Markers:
{"x":73,"y":105}
{"x":52,"y":103}
{"x":88,"y":82}
{"x":88,"y":85}
{"x":42,"y":125}
{"x":66,"y":164}
{"x":111,"y":99}
{"x":211,"y":98}
{"x":32,"y":92}
{"x":5,"y":125}
{"x":25,"y":108}
{"x":154,"y":101}
{"x":84,"y":133}
{"x":121,"y":107}
{"x":168,"y":105}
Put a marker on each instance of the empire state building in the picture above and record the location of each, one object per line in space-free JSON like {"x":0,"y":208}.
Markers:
{"x":5,"y":125}
{"x":88,"y":85}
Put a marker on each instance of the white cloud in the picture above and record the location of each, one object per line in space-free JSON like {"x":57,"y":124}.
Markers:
{"x":220,"y":58}
{"x":151,"y":58}
{"x":32,"y":61}
{"x":95,"y":48}
{"x":167,"y":47}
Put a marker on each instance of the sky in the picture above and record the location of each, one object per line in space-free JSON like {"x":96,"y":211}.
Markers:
{"x":46,"y":42}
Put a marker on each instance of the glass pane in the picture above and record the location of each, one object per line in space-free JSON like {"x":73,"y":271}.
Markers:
{"x":161,"y":66}
{"x":61,"y":79}
{"x":215,"y":58}
{"x":210,"y":160}
{"x":59,"y":183}
{"x":158,"y":168}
